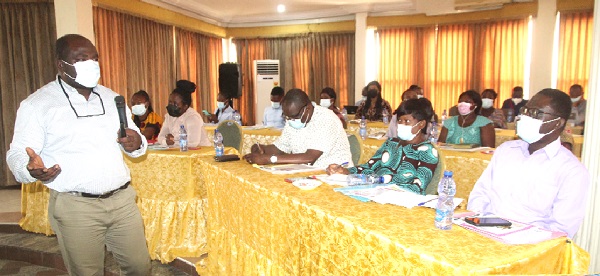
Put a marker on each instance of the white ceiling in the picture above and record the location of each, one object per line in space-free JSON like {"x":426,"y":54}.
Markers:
{"x":238,"y":13}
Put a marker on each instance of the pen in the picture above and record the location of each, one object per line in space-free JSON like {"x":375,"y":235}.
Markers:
{"x":423,"y":203}
{"x":344,"y":165}
{"x":258,"y":146}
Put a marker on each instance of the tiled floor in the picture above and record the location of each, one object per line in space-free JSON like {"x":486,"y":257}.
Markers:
{"x":24,"y":253}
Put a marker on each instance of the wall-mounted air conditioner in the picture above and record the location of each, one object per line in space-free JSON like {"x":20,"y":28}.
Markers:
{"x":266,"y":76}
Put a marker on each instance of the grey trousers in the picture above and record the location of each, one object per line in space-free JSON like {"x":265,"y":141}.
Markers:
{"x":84,"y":226}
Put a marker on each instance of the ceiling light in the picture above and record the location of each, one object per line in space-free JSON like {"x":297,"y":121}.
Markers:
{"x":280,"y":8}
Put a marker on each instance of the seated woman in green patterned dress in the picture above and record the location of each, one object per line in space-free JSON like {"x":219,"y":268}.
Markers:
{"x":407,"y":160}
{"x":468,"y":127}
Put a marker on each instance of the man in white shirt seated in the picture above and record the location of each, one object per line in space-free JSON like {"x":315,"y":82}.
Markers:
{"x":313,"y":135}
{"x":535,"y":180}
{"x":273,"y":116}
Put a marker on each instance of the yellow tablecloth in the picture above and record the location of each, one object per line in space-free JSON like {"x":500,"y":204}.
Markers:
{"x":261,"y":225}
{"x":251,"y":136}
{"x":171,"y":195}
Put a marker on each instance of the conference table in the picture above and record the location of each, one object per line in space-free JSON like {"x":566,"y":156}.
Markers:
{"x":192,"y":205}
{"x":259,"y":224}
{"x":171,"y":196}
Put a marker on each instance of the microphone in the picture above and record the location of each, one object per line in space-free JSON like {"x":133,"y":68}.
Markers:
{"x":120,"y":103}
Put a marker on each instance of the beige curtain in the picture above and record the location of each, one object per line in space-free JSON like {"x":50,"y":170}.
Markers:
{"x":502,"y":50}
{"x":135,"y":54}
{"x":309,"y":62}
{"x":403,"y":60}
{"x":27,"y":62}
{"x":198,"y":59}
{"x":447,"y":60}
{"x":574,"y":50}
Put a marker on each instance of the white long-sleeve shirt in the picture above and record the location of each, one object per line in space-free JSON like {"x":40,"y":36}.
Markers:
{"x":194,"y":126}
{"x":85,"y":148}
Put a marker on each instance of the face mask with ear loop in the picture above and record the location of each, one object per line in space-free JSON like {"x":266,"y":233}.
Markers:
{"x":88,"y":72}
{"x":528,"y":128}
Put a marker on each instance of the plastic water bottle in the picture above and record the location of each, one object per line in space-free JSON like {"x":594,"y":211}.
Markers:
{"x":384,"y":116}
{"x":445,"y":206}
{"x":433,"y":135}
{"x":362,"y":128}
{"x":364,"y":179}
{"x":237,"y":117}
{"x":444,"y":116}
{"x":218,"y":140}
{"x":510,"y":115}
{"x":183,"y":142}
{"x":345,"y":114}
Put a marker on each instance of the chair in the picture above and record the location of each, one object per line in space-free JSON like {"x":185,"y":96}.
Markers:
{"x":232,"y":134}
{"x":437,"y":174}
{"x":466,"y":172}
{"x":355,"y":148}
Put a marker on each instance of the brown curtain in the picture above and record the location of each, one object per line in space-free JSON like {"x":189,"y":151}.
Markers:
{"x":27,"y":62}
{"x":309,"y":62}
{"x":574,"y":50}
{"x":135,"y":54}
{"x":198,"y":59}
{"x":447,"y":60}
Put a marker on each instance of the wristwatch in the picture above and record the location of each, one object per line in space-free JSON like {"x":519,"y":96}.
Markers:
{"x":273,"y":159}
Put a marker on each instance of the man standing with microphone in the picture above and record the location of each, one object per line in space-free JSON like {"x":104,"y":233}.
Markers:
{"x":67,"y":135}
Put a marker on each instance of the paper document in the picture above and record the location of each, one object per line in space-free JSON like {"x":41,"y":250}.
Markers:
{"x":334,"y":179}
{"x":289,"y":168}
{"x":465,"y":148}
{"x":517,"y":233}
{"x":391,"y":194}
{"x":378,"y":136}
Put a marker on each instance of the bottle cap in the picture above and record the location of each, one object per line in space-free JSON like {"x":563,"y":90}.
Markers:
{"x":447,"y":173}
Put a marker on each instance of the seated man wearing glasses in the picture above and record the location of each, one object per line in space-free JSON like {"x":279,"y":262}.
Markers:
{"x":66,"y":136}
{"x":535,"y":180}
{"x":312,"y":135}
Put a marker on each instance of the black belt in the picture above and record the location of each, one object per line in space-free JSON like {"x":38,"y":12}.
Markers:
{"x":104,"y":195}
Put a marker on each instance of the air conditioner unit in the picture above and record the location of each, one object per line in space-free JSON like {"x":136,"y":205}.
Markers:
{"x":266,"y":76}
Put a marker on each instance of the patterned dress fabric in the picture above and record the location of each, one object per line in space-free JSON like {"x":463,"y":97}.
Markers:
{"x":410,"y":167}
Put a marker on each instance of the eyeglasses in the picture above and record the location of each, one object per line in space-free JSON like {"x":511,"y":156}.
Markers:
{"x":71,"y":104}
{"x":534,"y":113}
{"x":299,"y":113}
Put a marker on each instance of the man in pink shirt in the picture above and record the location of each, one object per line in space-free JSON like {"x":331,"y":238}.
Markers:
{"x":535,"y":180}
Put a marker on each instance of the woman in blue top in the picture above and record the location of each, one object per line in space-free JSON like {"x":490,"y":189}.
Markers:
{"x":468,"y":127}
{"x":407,"y":160}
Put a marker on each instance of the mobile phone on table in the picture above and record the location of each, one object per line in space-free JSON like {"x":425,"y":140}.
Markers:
{"x":478,"y":221}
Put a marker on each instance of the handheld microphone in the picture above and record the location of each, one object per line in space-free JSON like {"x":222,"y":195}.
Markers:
{"x":120,"y":103}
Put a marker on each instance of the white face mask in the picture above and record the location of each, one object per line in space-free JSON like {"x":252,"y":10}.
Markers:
{"x":405,"y":132}
{"x":325,"y":103}
{"x":529,"y":128}
{"x":574,"y":100}
{"x":88,"y":72}
{"x":275,"y":105}
{"x":138,"y":109}
{"x":487,"y":103}
{"x":464,"y":108}
{"x":517,"y":100}
{"x":220,"y":105}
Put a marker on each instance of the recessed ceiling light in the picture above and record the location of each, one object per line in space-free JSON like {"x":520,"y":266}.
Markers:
{"x":280,"y":8}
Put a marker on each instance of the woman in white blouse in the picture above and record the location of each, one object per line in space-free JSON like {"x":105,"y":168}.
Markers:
{"x":180,"y":113}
